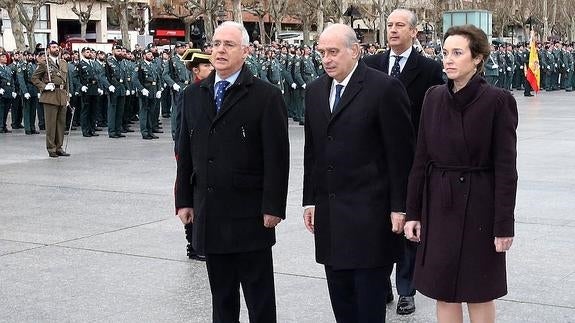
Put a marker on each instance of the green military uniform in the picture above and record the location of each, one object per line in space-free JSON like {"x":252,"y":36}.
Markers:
{"x":274,"y":72}
{"x":148,"y":81}
{"x":569,"y":66}
{"x":176,"y":73}
{"x":551,"y":70}
{"x":502,"y":62}
{"x":286,"y":67}
{"x":117,"y":75}
{"x":509,"y":70}
{"x":491,"y":69}
{"x":7,"y":93}
{"x":30,"y":95}
{"x":90,"y":89}
{"x":299,"y":92}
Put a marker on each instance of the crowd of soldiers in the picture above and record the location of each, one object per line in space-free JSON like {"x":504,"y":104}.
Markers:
{"x":117,"y":89}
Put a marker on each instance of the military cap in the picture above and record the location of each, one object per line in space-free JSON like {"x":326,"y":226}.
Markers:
{"x":180,"y":44}
{"x":150,"y":45}
{"x":26,"y":52}
{"x":199,"y":58}
{"x":147,"y":50}
{"x":85,"y":49}
{"x":53,"y":42}
{"x":3,"y":53}
{"x":100,"y":52}
{"x":117,"y":47}
{"x":41,"y":53}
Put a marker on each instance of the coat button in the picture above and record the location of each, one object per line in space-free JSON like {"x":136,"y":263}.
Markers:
{"x":211,"y":160}
{"x":212,"y":131}
{"x":330,"y":138}
{"x":461,"y":179}
{"x":329,"y":168}
{"x":331,"y":195}
{"x":210,"y":189}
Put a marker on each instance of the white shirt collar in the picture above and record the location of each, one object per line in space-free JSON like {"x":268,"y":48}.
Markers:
{"x":344,"y":83}
{"x":232,"y":78}
{"x":405,"y":56}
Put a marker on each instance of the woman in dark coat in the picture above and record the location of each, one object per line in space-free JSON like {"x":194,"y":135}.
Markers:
{"x":462,"y":186}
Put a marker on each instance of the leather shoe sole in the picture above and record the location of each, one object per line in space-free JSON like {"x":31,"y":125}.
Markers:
{"x":62,"y":153}
{"x":405,"y":305}
{"x":53,"y":155}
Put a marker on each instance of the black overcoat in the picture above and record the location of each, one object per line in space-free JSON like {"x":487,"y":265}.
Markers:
{"x":418,"y":75}
{"x":462,"y":188}
{"x":233,"y":166}
{"x":356,"y":165}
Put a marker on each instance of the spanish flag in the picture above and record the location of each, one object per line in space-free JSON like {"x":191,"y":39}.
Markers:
{"x":533,"y":74}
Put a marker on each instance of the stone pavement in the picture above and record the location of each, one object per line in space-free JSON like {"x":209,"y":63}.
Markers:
{"x":93,"y":238}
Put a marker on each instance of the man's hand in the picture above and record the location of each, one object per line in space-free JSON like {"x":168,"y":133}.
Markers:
{"x":412,"y":230}
{"x":503,"y":244}
{"x":397,"y":222}
{"x":186,"y":215}
{"x":270,"y":221}
{"x":309,"y":219}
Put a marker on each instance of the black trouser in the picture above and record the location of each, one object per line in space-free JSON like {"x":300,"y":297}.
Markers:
{"x":89,"y":108}
{"x":17,"y":112}
{"x":404,"y":270}
{"x":166,"y":103}
{"x":254,"y":272}
{"x":358,"y":295}
{"x":528,"y":87}
{"x":5,"y":105}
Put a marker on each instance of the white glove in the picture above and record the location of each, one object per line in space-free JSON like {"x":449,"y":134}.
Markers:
{"x":76,"y":93}
{"x":14,"y":95}
{"x":100,"y":91}
{"x":145,"y":92}
{"x":495,"y":66}
{"x":303,"y":86}
{"x":176,"y":87}
{"x":555,"y":65}
{"x":520,"y":67}
{"x":112,"y":89}
{"x":158,"y":95}
{"x":165,"y":85}
{"x":548,"y":67}
{"x":50,"y":87}
{"x":69,"y":95}
{"x":133,"y":92}
{"x":509,"y":69}
{"x":128,"y":92}
{"x":84,"y":89}
{"x":283,"y":92}
{"x":1,"y":91}
{"x":39,"y":94}
{"x":27,"y":96}
{"x":294,"y":86}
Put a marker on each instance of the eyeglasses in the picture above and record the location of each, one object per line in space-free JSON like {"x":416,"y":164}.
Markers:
{"x":226,"y":43}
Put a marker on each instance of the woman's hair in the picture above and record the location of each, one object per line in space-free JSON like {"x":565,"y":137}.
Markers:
{"x":478,"y":43}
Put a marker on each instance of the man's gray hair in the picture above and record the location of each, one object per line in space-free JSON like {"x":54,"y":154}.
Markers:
{"x":412,"y":16}
{"x":349,"y":36}
{"x":240,"y":27}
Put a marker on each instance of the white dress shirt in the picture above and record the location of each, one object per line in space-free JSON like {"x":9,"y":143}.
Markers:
{"x":344,"y":83}
{"x":404,"y":55}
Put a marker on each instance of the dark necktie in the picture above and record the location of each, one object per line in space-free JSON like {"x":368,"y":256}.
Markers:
{"x":338,"y":89}
{"x":221,"y":87}
{"x":395,"y":70}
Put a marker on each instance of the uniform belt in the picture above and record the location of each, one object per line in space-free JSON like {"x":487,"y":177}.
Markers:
{"x":445,"y":189}
{"x":60,"y":86}
{"x":94,"y":82}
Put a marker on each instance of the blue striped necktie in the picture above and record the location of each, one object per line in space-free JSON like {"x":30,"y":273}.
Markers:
{"x":221,"y":87}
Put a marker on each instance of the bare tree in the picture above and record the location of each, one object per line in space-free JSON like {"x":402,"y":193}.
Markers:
{"x":277,"y":11}
{"x":304,"y":11}
{"x":83,"y":9}
{"x":258,"y":9}
{"x":28,"y":14}
{"x":189,"y":12}
{"x":237,"y":11}
{"x":11,"y":6}
{"x":120,"y":8}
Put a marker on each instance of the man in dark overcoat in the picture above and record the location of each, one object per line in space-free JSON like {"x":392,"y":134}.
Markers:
{"x":417,"y":73}
{"x":232,"y":177}
{"x":359,"y":146}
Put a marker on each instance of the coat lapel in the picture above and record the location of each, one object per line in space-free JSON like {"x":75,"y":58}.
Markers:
{"x":410,"y":70}
{"x":234,"y":93}
{"x":384,"y":62}
{"x":351,"y":90}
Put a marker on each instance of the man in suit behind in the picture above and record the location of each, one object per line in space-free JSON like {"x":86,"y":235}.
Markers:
{"x":359,"y":146}
{"x":232,"y":177}
{"x":417,"y":73}
{"x":51,"y":79}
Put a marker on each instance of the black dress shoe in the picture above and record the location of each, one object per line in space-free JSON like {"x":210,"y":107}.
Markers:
{"x":97,"y":129}
{"x":17,"y":126}
{"x":28,"y":132}
{"x":405,"y":305}
{"x":301,"y":123}
{"x":120,"y":135}
{"x":114,"y":136}
{"x":147,"y":137}
{"x":87,"y":134}
{"x":53,"y":155}
{"x":62,"y":153}
{"x":42,"y":127}
{"x":129,"y":130}
{"x":389,"y":297}
{"x":529,"y":94}
{"x":123,"y":131}
{"x":157,"y":131}
{"x":154,"y":136}
{"x":5,"y":130}
{"x":93,"y":134}
{"x":165,"y":116}
{"x":35,"y":132}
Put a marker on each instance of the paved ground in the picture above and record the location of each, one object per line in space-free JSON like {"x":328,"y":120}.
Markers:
{"x":92,"y":238}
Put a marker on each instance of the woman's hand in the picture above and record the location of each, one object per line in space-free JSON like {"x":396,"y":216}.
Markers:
{"x":503,"y":244}
{"x":412,"y":230}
